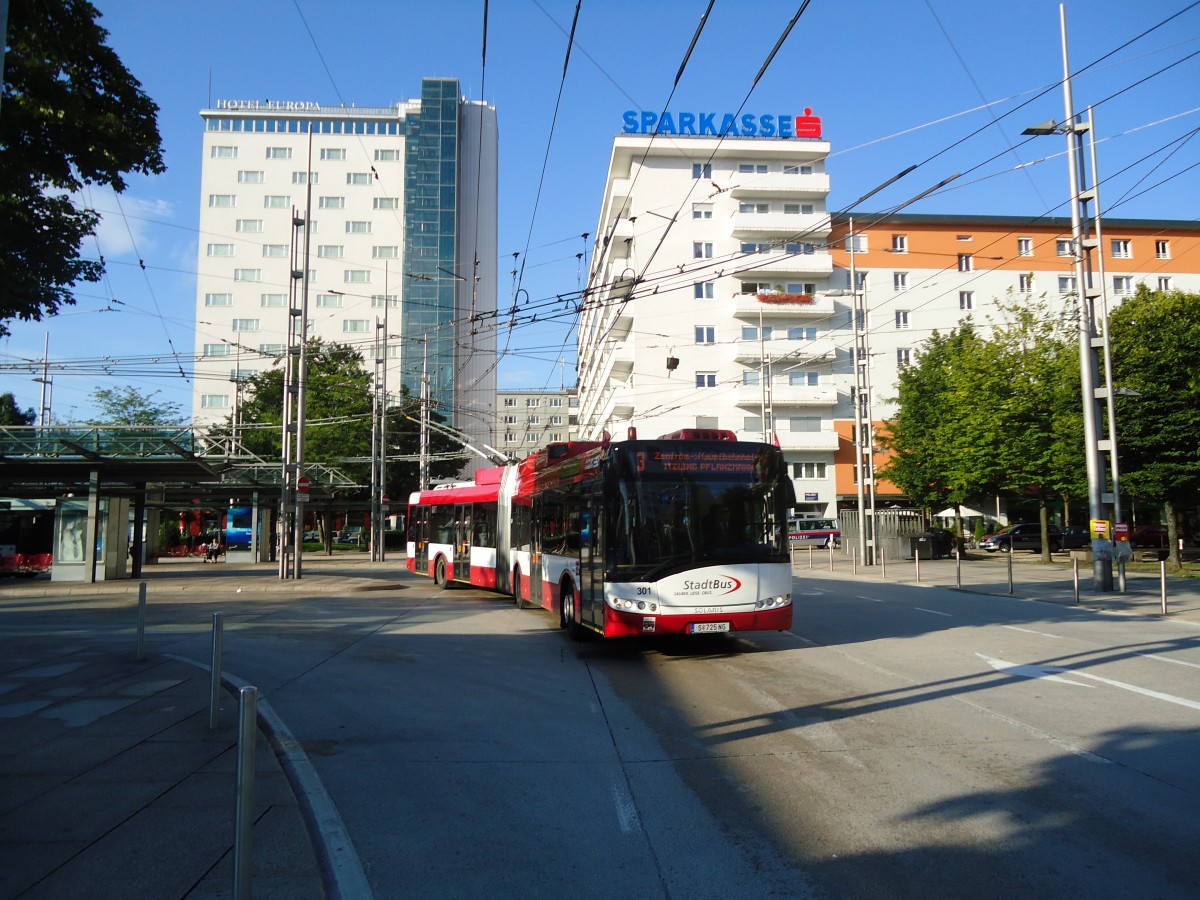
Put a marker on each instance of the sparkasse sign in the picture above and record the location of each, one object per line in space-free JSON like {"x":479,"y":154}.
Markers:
{"x":722,"y":124}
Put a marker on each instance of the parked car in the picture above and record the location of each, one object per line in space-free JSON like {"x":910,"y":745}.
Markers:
{"x":1153,"y":536}
{"x":1076,"y":537}
{"x":1023,"y":536}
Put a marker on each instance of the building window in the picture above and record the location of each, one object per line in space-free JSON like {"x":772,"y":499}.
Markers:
{"x":701,"y":250}
{"x":808,"y":471}
{"x":755,"y":287}
{"x":250,"y":176}
{"x":1122,"y":285}
{"x":1066,"y":284}
{"x":1064,"y":247}
{"x":1164,"y":282}
{"x":220,"y":249}
{"x":752,"y":424}
{"x":531,"y":438}
{"x":902,"y":319}
{"x":899,"y":243}
{"x":386,"y":202}
{"x":357,"y":276}
{"x":903,"y":356}
{"x":965,"y":262}
{"x":802,"y":333}
{"x":861,"y":278}
{"x":856,"y":243}
{"x":329,"y":301}
{"x":331,"y":202}
{"x":358,"y":178}
{"x":277,"y":201}
{"x":330,"y":251}
{"x":1024,"y":246}
{"x":1162,"y":249}
{"x":900,"y":281}
{"x":302,"y":177}
{"x":534,"y":420}
{"x":218,"y":299}
{"x":214,"y":401}
{"x":750,"y":332}
{"x":701,"y":171}
{"x":703,"y":290}
{"x":1025,"y":283}
{"x":378,"y":300}
{"x":754,"y":248}
{"x":963,"y":237}
{"x":752,"y":168}
{"x":556,"y":402}
{"x":1122,"y":248}
{"x":510,"y":420}
{"x":249,"y":226}
{"x":358,"y":227}
{"x":751,"y":378}
{"x":510,"y":401}
{"x":966,"y":299}
{"x":387,"y":156}
{"x":385,"y":251}
{"x":356,"y":326}
{"x":217,"y":349}
{"x":271,"y":349}
{"x":245,"y":324}
{"x":273,"y":300}
{"x":335,"y":153}
{"x":275,"y":250}
{"x":702,"y":210}
{"x":223,"y":152}
{"x":804,"y":379}
{"x":247,"y":274}
{"x":804,"y":424}
{"x":759,"y":208}
{"x":279,"y":153}
{"x":706,"y":334}
{"x":706,"y":379}
{"x":222,"y":200}
{"x":556,"y":420}
{"x":532,"y":401}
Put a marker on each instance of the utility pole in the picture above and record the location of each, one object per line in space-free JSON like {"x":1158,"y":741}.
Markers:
{"x":864,"y":458}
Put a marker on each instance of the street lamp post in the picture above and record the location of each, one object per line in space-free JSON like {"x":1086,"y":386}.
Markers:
{"x":1082,"y":245}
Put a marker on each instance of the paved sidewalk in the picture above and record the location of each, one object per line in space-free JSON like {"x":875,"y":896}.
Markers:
{"x":111,"y":783}
{"x":1031,"y":579}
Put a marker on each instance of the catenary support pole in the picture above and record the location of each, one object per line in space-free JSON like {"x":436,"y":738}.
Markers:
{"x":243,"y":846}
{"x":141,"y":622}
{"x":214,"y":686}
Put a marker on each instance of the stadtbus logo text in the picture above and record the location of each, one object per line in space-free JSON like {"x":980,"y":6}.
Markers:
{"x":718,"y":124}
{"x":722,"y":583}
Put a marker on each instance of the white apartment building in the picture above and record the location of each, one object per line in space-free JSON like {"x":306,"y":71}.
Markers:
{"x":709,"y":303}
{"x":721,"y":294}
{"x":530,"y":419}
{"x":402,"y":248}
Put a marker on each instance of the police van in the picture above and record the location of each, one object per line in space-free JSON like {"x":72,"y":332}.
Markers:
{"x":814,"y":532}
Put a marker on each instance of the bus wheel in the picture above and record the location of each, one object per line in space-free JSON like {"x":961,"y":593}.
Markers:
{"x":439,"y":572}
{"x":566,"y":618}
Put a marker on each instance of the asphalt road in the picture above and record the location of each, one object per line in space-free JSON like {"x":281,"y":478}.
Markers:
{"x":904,"y":741}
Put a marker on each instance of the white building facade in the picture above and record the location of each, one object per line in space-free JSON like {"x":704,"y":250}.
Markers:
{"x":709,"y":302}
{"x":400,"y":261}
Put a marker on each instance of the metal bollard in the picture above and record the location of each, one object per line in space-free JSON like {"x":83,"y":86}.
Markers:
{"x":810,"y":556}
{"x":1162,"y":584}
{"x":882,"y":564}
{"x":214,"y":689}
{"x":1075,"y":576}
{"x":141,"y":622}
{"x":958,"y":566}
{"x":243,"y":845}
{"x":917,"y":562}
{"x":831,"y":556}
{"x":854,"y":560}
{"x":1010,"y":581}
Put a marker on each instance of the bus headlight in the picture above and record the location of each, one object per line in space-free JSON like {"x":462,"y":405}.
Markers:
{"x":774,"y":602}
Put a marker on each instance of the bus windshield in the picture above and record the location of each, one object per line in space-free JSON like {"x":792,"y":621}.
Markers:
{"x":706,"y":505}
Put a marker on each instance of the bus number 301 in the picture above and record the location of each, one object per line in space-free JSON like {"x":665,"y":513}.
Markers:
{"x":643,"y":590}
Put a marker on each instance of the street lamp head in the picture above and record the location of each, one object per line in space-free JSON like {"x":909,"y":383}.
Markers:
{"x":1047,"y":127}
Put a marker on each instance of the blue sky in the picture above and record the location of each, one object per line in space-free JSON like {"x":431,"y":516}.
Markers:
{"x":929,"y":82}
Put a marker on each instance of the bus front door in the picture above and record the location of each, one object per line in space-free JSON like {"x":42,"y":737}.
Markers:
{"x":591,"y":565}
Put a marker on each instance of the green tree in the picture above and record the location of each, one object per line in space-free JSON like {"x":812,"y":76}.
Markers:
{"x":129,"y":406}
{"x":338,"y":409}
{"x":11,"y":414}
{"x":72,"y":115}
{"x":1156,"y":354}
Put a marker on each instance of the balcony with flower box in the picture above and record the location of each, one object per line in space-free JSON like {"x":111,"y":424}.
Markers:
{"x":814,"y":306}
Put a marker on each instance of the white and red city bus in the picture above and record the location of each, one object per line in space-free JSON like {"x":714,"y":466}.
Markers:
{"x":685,"y":534}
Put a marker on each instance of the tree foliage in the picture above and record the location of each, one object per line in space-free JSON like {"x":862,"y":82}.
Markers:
{"x":72,"y":115}
{"x":1155,"y":340}
{"x":11,"y":414}
{"x":129,"y":406}
{"x":338,"y":410}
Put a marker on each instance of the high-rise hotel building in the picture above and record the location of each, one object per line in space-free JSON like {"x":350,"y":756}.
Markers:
{"x":722,"y":294}
{"x":403,"y":206}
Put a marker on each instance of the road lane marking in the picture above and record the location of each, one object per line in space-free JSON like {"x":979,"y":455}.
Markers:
{"x":872,"y":599}
{"x":934,"y":611}
{"x":1046,"y":673}
{"x":1178,"y":662}
{"x":627,"y":816}
{"x":1031,"y":631}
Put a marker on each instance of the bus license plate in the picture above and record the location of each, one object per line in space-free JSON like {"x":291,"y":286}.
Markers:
{"x":710,"y":627}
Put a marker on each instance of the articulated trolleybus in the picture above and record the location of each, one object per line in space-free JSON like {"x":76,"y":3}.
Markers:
{"x":686,"y":534}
